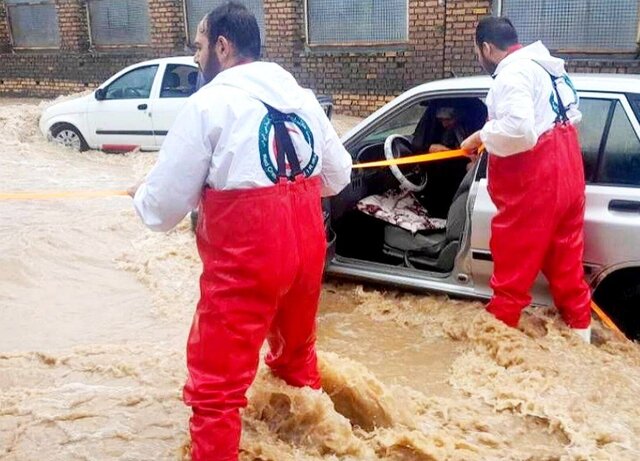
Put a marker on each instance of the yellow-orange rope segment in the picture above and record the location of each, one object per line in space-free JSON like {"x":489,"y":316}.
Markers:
{"x":47,"y":195}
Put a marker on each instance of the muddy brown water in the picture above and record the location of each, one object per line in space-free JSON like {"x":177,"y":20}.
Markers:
{"x":95,"y":309}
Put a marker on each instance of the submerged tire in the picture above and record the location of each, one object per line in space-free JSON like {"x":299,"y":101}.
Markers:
{"x":69,"y":136}
{"x":619,"y":296}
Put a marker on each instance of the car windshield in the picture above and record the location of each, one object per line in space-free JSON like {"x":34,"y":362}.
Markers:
{"x":135,"y":84}
{"x":403,"y":123}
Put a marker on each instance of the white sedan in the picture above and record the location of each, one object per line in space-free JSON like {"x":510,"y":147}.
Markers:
{"x":372,"y":226}
{"x":132,"y":109}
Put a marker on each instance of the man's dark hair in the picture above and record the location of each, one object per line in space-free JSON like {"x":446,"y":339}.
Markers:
{"x":237,"y":24}
{"x":499,"y":31}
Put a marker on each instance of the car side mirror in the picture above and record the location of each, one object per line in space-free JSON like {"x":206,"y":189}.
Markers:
{"x":100,"y":94}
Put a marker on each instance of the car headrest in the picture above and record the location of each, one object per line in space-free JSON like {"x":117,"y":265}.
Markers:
{"x":171,"y":80}
{"x":192,"y":78}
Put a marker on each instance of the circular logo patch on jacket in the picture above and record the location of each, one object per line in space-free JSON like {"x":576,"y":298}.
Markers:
{"x":266,"y":148}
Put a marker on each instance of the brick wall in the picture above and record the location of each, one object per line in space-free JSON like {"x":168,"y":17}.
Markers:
{"x":440,"y":44}
{"x":72,"y":20}
{"x":167,"y":25}
{"x":4,"y":29}
{"x":359,"y":79}
{"x":461,"y":19}
{"x":614,"y":66}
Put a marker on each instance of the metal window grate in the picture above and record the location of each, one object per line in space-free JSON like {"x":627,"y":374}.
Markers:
{"x":33,"y":24}
{"x":576,"y":25}
{"x":196,"y":9}
{"x":119,"y":22}
{"x":332,"y":22}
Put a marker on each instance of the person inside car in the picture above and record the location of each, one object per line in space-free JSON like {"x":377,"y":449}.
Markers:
{"x":535,"y":177}
{"x":258,"y":152}
{"x":452,"y":133}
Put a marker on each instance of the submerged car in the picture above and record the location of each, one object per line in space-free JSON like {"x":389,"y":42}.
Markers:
{"x":449,"y":252}
{"x":133,"y":109}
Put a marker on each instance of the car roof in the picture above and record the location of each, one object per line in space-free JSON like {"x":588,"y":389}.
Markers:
{"x":618,"y":83}
{"x":170,"y":60}
{"x":186,"y":60}
{"x":598,"y":83}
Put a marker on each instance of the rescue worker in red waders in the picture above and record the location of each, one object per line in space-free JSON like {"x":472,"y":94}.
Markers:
{"x":535,"y":175}
{"x":256,"y":152}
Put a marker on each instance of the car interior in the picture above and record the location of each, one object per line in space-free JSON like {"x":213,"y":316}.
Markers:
{"x":179,"y":81}
{"x":427,"y":232}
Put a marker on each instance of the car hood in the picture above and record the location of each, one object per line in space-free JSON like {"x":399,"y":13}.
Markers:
{"x":76,"y":105}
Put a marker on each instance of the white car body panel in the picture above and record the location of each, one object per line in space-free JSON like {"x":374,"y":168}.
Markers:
{"x":124,"y":122}
{"x":612,"y":238}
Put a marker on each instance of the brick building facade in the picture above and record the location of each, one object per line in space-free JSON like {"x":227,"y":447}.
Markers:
{"x":360,"y":78}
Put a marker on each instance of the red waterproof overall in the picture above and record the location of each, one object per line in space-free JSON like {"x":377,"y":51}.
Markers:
{"x":540,"y":196}
{"x":263,"y":255}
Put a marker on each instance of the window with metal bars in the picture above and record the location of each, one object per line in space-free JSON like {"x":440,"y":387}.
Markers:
{"x":33,"y":24}
{"x":356,"y":22}
{"x":118,"y":22}
{"x":196,"y":10}
{"x":581,"y":26}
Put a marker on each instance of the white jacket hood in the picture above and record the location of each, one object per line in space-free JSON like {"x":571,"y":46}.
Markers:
{"x":539,"y":53}
{"x":275,"y":87}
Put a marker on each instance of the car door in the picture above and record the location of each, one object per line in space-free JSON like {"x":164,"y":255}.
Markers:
{"x":177,"y":84}
{"x":612,"y":220}
{"x":604,"y":142}
{"x":122,"y":120}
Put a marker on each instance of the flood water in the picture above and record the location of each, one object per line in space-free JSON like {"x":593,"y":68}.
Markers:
{"x":95,"y":310}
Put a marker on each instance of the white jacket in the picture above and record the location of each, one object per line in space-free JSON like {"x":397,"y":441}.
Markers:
{"x":521,"y":100}
{"x":216,"y":141}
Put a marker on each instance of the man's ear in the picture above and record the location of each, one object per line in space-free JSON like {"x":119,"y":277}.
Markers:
{"x":487,"y":48}
{"x":223,"y":46}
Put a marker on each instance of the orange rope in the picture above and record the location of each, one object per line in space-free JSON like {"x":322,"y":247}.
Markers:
{"x":46,"y":195}
{"x":421,"y":158}
{"x":604,"y":318}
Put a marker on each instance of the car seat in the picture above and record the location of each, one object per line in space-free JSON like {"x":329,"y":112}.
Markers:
{"x":170,"y":86}
{"x":192,"y":79}
{"x":437,"y":250}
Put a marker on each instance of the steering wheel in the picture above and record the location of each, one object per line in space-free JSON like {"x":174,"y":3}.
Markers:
{"x":396,"y":146}
{"x":132,"y":93}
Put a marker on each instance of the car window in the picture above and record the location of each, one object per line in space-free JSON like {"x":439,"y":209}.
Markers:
{"x":621,"y":161}
{"x":403,"y":123}
{"x":634,"y":100}
{"x":135,"y":84}
{"x":179,"y":81}
{"x":591,"y":129}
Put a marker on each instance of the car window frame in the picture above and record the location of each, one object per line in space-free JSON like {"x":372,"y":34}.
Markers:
{"x":634,"y":102}
{"x":616,"y":98}
{"x":612,"y":100}
{"x":160,"y":79}
{"x":123,"y":74}
{"x":377,"y":119}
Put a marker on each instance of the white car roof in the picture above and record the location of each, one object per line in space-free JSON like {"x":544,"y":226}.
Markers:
{"x":169,"y":60}
{"x":618,"y":83}
{"x":186,"y":60}
{"x":597,"y":83}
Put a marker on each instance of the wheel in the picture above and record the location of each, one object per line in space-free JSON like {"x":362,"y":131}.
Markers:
{"x":620,"y":299}
{"x":69,"y":136}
